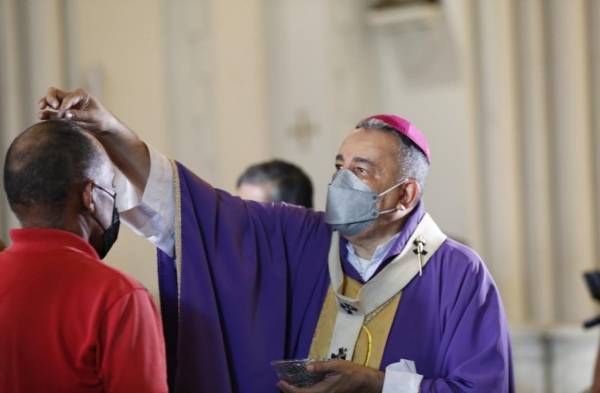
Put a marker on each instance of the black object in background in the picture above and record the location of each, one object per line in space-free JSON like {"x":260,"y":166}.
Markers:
{"x":592,"y":279}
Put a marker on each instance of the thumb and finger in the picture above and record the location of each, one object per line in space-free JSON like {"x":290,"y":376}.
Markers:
{"x":74,"y":100}
{"x":76,"y":106}
{"x":79,"y":116}
{"x":57,"y":100}
{"x":54,"y":104}
{"x":52,"y":99}
{"x":66,"y":105}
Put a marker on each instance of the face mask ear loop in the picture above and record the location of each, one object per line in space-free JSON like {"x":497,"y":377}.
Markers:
{"x":388,"y":211}
{"x":387,"y":191}
{"x":391,"y":188}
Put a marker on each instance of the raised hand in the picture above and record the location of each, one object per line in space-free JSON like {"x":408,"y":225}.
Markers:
{"x":343,"y":377}
{"x":127,"y":151}
{"x":81,"y":108}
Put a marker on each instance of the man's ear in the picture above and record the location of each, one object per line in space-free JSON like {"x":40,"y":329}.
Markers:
{"x":87,"y":197}
{"x":409,"y":196}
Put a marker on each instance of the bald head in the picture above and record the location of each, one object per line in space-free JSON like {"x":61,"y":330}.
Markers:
{"x":45,"y":163}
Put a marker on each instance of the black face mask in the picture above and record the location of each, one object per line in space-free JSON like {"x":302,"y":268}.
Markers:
{"x":110,"y":234}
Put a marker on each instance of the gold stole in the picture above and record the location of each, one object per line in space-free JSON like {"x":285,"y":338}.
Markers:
{"x":356,"y":319}
{"x":373,"y":336}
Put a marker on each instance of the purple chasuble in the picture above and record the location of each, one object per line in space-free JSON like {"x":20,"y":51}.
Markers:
{"x":254,"y":278}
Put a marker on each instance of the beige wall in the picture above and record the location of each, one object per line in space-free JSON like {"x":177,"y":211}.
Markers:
{"x":115,"y":51}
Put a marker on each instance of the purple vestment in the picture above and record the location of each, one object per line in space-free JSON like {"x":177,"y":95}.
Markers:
{"x":253,"y":281}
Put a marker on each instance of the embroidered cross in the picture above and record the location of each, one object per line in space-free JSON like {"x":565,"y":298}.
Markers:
{"x":420,"y":250}
{"x":348,"y":308}
{"x":303,"y":130}
{"x":342,"y":353}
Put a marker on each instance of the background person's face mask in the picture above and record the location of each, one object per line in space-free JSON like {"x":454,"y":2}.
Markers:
{"x":352,"y":205}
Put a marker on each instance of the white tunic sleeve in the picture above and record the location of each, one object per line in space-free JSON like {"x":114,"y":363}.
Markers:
{"x":401,"y":377}
{"x":152,"y":214}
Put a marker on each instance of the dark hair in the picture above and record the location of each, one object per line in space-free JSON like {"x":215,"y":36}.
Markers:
{"x":44,"y":162}
{"x":290,"y":183}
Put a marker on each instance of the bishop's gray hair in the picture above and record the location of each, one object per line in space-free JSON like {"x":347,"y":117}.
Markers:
{"x":412,"y":162}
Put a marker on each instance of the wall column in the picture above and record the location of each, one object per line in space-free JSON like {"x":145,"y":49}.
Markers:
{"x":534,"y":150}
{"x":499,"y":146}
{"x":571,"y":169}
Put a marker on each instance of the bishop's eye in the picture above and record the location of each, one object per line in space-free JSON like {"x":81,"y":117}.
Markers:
{"x":360,"y":171}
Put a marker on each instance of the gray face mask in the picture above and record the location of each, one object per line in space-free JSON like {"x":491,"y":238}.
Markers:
{"x":351,"y":204}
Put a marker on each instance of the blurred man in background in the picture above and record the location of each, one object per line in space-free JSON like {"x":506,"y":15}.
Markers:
{"x":68,"y":321}
{"x":276,"y":181}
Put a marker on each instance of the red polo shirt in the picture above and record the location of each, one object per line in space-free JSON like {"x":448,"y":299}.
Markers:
{"x":71,"y":323}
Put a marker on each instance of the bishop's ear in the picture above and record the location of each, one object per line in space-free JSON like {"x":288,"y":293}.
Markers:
{"x":409,"y":195}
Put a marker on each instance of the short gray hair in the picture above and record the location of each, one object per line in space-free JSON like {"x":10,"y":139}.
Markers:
{"x":412,"y":162}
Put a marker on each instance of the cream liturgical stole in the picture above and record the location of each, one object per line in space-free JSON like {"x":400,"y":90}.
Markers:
{"x":356,"y":319}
